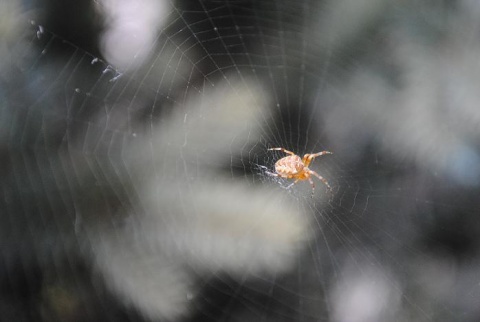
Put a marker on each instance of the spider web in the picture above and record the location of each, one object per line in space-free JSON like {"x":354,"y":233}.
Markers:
{"x":223,"y":82}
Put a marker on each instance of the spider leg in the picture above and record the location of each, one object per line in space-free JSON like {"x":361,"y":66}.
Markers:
{"x":271,"y":174}
{"x":281,"y":149}
{"x":313,"y":185}
{"x":290,"y":185}
{"x":314,"y":155}
{"x":307,"y":158}
{"x":321,"y":179}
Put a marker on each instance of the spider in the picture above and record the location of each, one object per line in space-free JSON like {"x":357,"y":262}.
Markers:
{"x":293,"y":167}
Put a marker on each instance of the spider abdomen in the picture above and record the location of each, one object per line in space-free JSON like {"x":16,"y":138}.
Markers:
{"x":289,"y":165}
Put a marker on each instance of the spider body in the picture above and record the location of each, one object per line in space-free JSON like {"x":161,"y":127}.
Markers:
{"x":294,"y":167}
{"x":289,"y":166}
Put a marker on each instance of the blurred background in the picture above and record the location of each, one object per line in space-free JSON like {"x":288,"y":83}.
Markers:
{"x":134,"y":160}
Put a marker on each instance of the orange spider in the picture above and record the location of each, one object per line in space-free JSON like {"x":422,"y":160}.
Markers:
{"x":293,"y":167}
